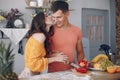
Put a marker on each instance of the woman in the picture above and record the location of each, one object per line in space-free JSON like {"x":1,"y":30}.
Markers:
{"x":37,"y":47}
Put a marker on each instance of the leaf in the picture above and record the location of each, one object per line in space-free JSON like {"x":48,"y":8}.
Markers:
{"x":6,"y":58}
{"x":8,"y":51}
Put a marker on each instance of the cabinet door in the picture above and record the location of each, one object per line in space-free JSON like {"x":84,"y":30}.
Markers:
{"x":95,"y":28}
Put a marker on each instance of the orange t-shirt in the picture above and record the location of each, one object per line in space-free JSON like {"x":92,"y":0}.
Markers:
{"x":35,"y":55}
{"x":64,"y":41}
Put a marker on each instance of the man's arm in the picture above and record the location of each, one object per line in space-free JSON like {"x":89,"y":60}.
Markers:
{"x":80,"y":51}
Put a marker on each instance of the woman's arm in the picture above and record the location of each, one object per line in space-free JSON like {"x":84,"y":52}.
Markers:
{"x":58,"y":57}
{"x":35,"y":53}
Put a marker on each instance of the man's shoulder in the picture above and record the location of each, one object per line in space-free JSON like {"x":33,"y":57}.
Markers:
{"x":75,"y":27}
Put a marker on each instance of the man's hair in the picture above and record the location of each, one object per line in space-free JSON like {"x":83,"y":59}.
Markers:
{"x":59,"y":5}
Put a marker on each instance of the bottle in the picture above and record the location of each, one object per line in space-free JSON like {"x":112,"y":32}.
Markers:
{"x":40,"y":3}
{"x":111,"y":57}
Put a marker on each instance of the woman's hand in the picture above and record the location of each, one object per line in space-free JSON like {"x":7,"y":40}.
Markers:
{"x":61,"y":57}
{"x":58,"y":57}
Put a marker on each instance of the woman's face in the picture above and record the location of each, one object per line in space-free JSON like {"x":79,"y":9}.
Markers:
{"x":48,"y":21}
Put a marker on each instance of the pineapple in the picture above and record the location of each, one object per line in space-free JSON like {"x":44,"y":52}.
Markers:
{"x":6,"y":63}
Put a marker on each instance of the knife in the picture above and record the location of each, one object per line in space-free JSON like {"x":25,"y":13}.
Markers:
{"x":74,"y":65}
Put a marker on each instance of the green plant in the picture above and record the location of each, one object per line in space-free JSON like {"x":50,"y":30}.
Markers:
{"x":6,"y":63}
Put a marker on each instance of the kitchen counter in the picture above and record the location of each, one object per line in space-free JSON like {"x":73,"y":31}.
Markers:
{"x":71,"y":75}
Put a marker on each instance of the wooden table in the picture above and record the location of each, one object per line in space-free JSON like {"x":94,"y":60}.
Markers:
{"x":71,"y":75}
{"x":104,"y":76}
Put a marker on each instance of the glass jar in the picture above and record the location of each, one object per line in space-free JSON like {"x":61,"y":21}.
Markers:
{"x":33,"y":3}
{"x":40,"y":3}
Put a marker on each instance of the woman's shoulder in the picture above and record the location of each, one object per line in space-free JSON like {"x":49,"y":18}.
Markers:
{"x":39,"y":36}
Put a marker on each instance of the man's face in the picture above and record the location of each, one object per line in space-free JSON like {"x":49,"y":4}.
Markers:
{"x":59,"y":18}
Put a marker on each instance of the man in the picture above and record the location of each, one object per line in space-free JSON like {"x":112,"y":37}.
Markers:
{"x":67,"y":38}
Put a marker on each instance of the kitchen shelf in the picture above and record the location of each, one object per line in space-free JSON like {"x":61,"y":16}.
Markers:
{"x":36,"y":7}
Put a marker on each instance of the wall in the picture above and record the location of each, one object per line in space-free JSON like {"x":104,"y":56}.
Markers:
{"x":75,"y":17}
{"x":113,"y":25}
{"x":6,"y":5}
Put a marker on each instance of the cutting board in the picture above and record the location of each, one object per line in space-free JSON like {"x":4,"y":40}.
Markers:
{"x":81,"y":74}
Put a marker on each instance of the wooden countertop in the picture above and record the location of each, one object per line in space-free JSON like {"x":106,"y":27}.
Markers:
{"x":71,"y":75}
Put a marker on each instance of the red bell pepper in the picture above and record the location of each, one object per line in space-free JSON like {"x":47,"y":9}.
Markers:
{"x":81,"y":70}
{"x":83,"y":63}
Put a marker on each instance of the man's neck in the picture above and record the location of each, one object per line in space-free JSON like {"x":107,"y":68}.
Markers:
{"x":66,"y":26}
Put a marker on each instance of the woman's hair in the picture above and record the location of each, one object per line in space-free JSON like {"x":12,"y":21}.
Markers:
{"x":38,"y":25}
{"x":59,"y":5}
